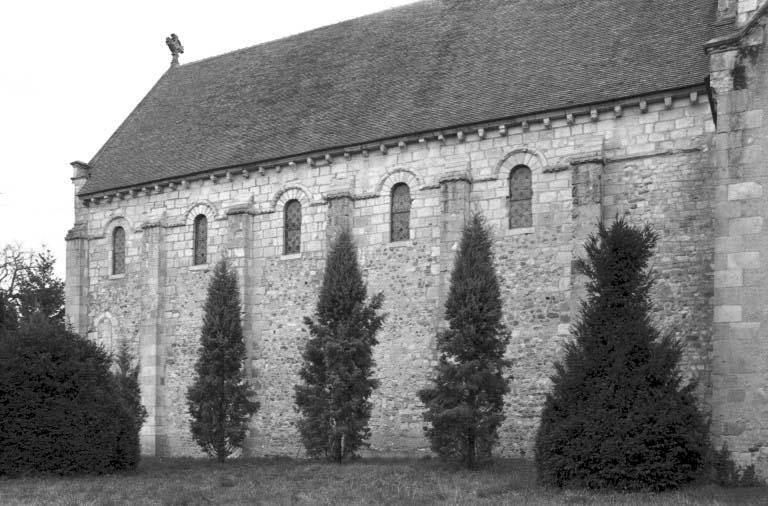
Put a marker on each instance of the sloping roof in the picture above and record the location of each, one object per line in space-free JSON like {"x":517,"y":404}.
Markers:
{"x":418,"y":68}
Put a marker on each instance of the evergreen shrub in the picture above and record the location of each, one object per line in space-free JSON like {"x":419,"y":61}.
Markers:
{"x":219,"y":398}
{"x":60,"y":411}
{"x":465,"y":406}
{"x":132,"y":412}
{"x":337,"y":370}
{"x":619,"y":415}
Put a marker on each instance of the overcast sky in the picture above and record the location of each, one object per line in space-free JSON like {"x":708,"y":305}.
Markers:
{"x":71,"y":71}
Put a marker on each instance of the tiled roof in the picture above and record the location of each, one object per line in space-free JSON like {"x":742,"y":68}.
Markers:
{"x":429,"y":65}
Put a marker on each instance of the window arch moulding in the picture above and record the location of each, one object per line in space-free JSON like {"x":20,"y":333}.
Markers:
{"x":396,"y":176}
{"x":293,"y":191}
{"x":531,"y":158}
{"x":280,"y":201}
{"x":117,"y":220}
{"x":205,"y":208}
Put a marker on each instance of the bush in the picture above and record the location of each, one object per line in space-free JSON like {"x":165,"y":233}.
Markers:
{"x":338,"y":359}
{"x":219,"y":398}
{"x":132,"y":413}
{"x":618,"y":415}
{"x":466,"y":404}
{"x":726,"y":474}
{"x":58,"y":404}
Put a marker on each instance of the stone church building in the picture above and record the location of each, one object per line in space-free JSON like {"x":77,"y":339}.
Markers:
{"x":545,"y":115}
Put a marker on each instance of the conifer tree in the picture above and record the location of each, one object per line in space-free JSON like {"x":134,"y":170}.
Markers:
{"x":337,"y":370}
{"x":133,"y":412}
{"x":219,"y":398}
{"x":619,"y":415}
{"x":40,"y":292}
{"x":465,"y":406}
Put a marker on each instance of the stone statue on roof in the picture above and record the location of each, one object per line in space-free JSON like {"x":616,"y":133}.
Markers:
{"x":174,"y":44}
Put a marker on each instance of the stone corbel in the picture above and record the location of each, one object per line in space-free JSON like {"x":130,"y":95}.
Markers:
{"x":152,"y":224}
{"x":456,"y":175}
{"x":244,"y":208}
{"x":591,"y":157}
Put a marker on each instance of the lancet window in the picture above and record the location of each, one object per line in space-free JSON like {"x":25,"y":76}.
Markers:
{"x":118,"y":250}
{"x":200,"y":240}
{"x":400,"y":218}
{"x":520,"y":195}
{"x":292,"y":227}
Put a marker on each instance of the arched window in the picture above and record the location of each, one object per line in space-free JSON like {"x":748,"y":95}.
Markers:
{"x":104,"y":330}
{"x":118,"y":251}
{"x":292,"y":227}
{"x":200,"y":241}
{"x":400,"y":218}
{"x":520,"y":194}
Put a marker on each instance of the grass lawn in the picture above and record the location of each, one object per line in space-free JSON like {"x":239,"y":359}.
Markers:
{"x":370,"y":481}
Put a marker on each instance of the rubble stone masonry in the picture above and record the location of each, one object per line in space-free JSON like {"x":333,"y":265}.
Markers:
{"x":652,"y":160}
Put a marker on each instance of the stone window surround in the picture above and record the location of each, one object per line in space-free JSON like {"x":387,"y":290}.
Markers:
{"x":210,"y":212}
{"x":108,"y":235}
{"x":392,"y":178}
{"x":281,"y":198}
{"x":536,"y":162}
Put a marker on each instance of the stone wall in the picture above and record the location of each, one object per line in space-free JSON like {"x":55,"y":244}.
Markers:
{"x":740,"y":365}
{"x":649,"y":157}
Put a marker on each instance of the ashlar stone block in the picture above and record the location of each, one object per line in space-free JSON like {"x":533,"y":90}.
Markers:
{"x":744,"y":260}
{"x":743,"y":191}
{"x":727,"y":314}
{"x":745,"y":226}
{"x":729,"y":278}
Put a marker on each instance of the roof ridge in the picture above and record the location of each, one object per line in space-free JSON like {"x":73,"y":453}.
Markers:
{"x":305,"y":32}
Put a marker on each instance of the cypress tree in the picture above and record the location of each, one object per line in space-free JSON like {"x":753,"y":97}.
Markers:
{"x":219,"y":399}
{"x":133,"y":413}
{"x":618,"y":415}
{"x":337,"y":370}
{"x":465,"y":405}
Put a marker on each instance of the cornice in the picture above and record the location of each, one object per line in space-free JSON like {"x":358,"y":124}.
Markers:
{"x":478,"y":131}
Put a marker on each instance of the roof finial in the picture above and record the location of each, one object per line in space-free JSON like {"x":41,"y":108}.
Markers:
{"x":174,"y":44}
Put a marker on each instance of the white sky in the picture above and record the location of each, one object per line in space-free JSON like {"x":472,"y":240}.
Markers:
{"x":71,"y":71}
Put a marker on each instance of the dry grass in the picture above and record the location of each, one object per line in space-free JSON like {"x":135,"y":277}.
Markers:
{"x":371,"y":481}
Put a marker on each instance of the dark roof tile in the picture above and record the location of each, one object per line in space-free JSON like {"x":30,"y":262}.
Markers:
{"x":422,"y":67}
